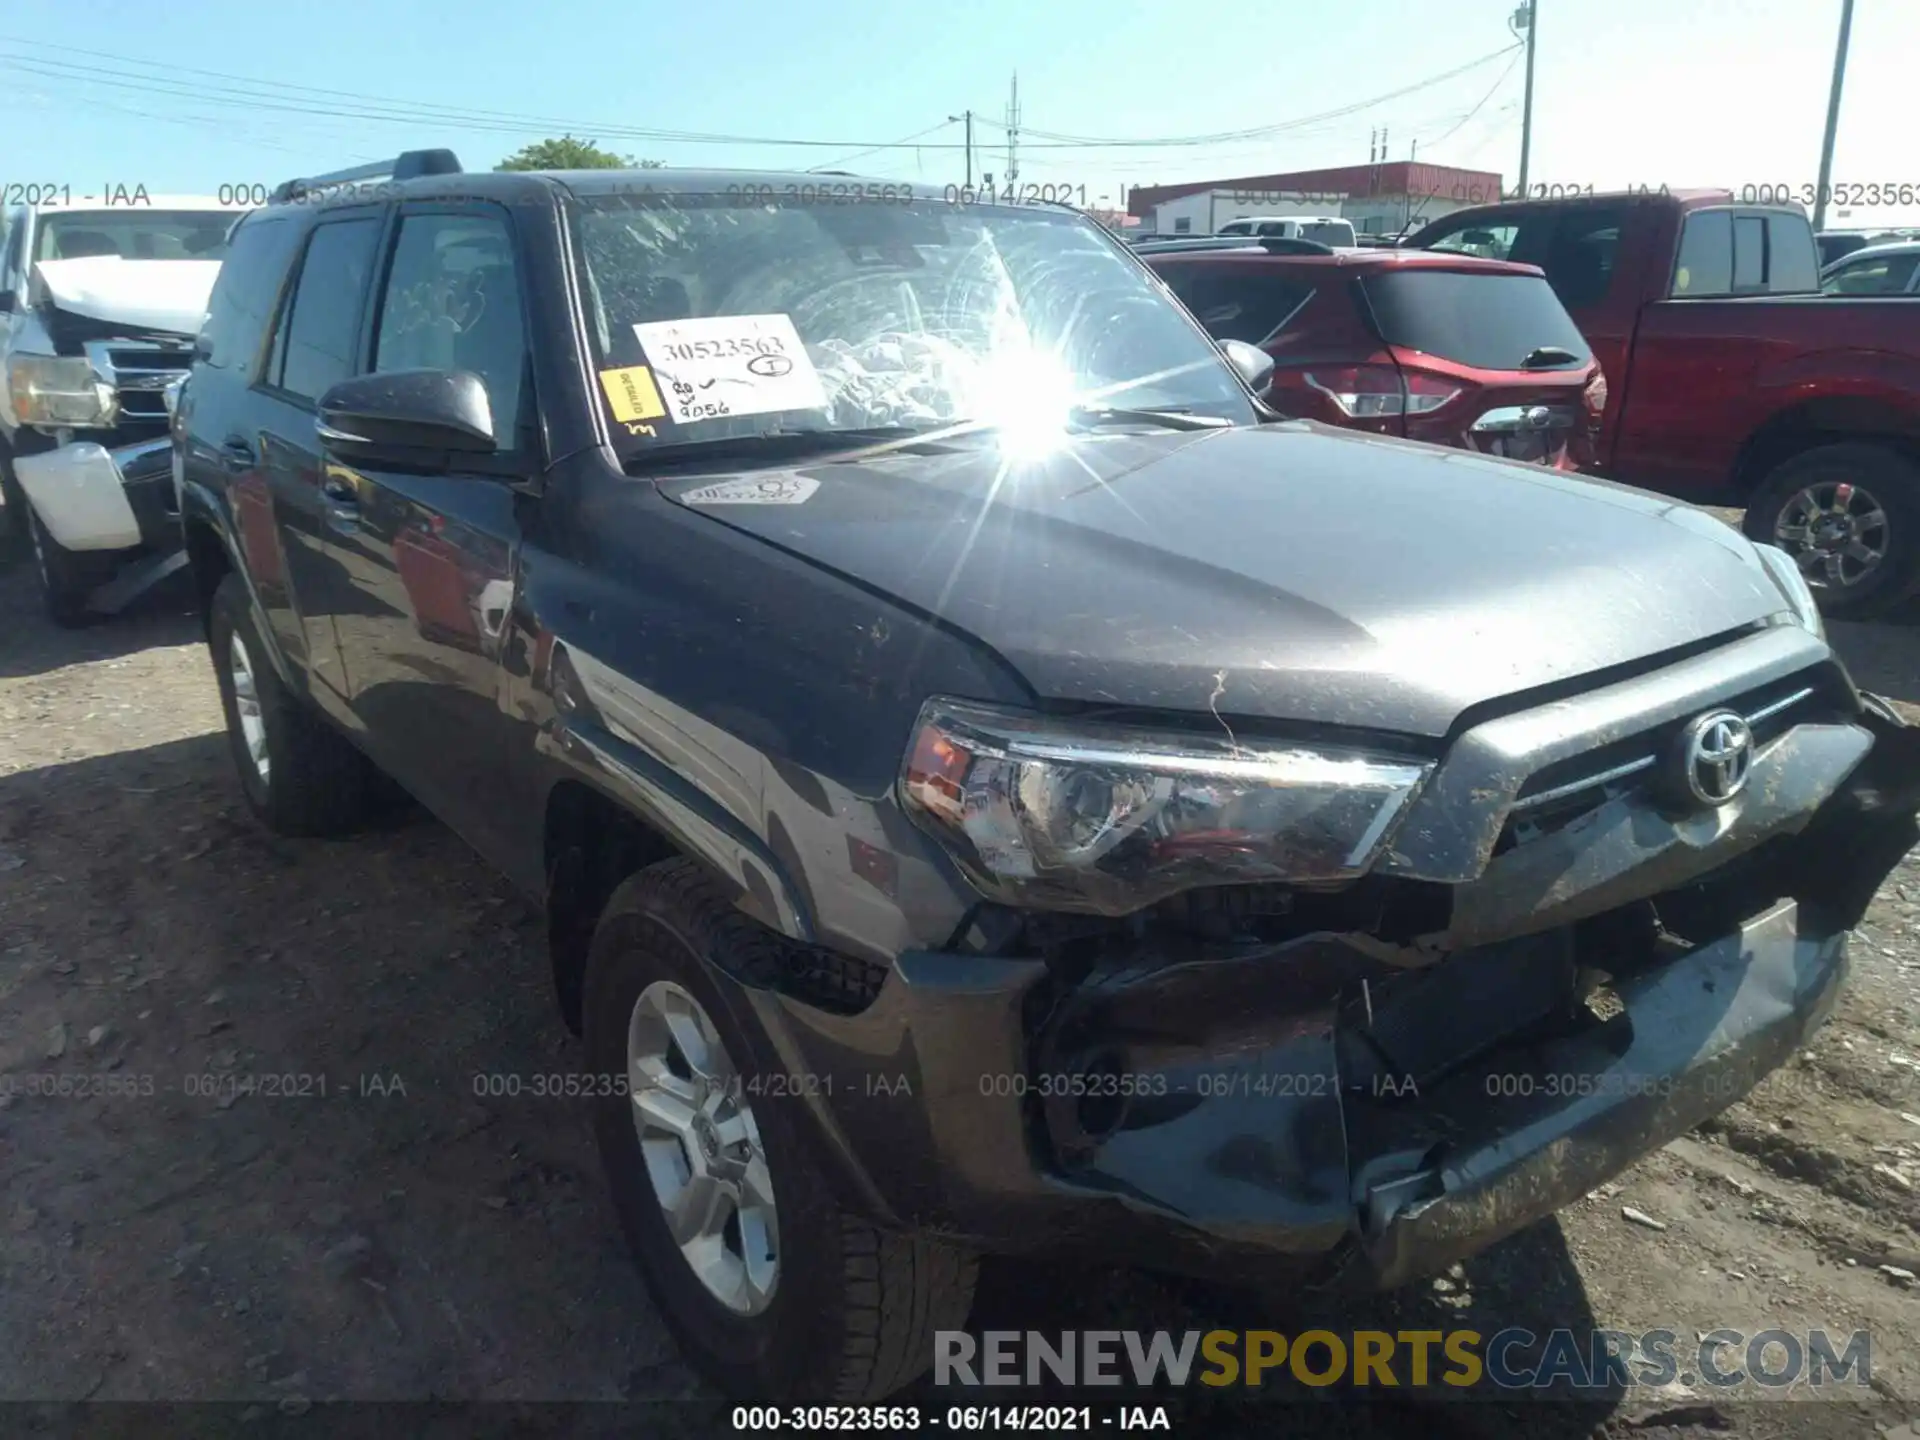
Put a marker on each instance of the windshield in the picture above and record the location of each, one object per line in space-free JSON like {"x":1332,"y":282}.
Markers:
{"x":716,"y":319}
{"x":133,"y":233}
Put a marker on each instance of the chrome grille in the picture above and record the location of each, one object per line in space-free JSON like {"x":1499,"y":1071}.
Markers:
{"x":139,"y":370}
{"x":1561,"y":793}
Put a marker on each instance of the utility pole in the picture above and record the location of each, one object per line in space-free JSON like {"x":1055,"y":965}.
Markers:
{"x":1413,"y":152}
{"x":1526,"y":15}
{"x":1833,"y":116}
{"x":967,"y":116}
{"x":1013,"y":132}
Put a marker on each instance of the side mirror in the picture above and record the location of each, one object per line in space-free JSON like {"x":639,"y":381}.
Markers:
{"x":412,"y":410}
{"x":1254,"y":365}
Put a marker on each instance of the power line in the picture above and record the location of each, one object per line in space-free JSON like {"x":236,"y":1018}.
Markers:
{"x":241,"y":91}
{"x":890,"y":145}
{"x":1260,"y":131}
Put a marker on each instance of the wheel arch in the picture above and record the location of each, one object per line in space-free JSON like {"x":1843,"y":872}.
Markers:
{"x":1827,"y":420}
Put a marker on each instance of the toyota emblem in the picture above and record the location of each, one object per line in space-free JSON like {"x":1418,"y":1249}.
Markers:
{"x":1716,"y":755}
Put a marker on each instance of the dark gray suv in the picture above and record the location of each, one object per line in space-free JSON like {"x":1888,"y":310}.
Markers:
{"x":995,"y":786}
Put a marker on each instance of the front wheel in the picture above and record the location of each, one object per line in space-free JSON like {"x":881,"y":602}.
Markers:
{"x":67,"y":577}
{"x":770,"y":1289}
{"x":1849,"y":515}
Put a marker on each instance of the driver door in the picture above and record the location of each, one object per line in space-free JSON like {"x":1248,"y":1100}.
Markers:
{"x":432,"y":550}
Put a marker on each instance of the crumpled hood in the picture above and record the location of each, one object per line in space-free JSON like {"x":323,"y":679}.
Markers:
{"x":166,"y":295}
{"x":1290,"y":572}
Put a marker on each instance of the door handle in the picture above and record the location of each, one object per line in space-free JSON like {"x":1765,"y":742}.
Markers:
{"x":238,"y":451}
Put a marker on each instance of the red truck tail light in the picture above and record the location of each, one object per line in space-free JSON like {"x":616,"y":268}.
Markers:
{"x":1378,"y":392}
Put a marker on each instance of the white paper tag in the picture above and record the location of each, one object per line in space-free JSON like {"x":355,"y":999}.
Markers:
{"x":722,"y":365}
{"x":760,"y":490}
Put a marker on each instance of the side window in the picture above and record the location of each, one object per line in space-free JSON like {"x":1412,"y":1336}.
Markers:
{"x":452,"y":302}
{"x":241,"y":306}
{"x":315,"y":346}
{"x":1183,"y":225}
{"x":1706,"y":255}
{"x":1876,"y":275}
{"x":1489,"y":242}
{"x":1749,"y":252}
{"x":1580,"y":260}
{"x":1793,"y":259}
{"x":1244,"y":303}
{"x":16,"y":236}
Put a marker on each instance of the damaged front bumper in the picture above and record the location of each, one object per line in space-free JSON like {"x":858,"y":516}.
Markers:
{"x":1322,"y":1108}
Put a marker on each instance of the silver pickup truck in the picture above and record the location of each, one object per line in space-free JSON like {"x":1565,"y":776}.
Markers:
{"x":99,"y":305}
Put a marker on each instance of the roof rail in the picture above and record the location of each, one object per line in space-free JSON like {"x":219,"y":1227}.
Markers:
{"x":408,"y":165}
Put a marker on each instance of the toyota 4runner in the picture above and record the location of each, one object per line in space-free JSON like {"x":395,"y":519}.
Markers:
{"x":994,"y":786}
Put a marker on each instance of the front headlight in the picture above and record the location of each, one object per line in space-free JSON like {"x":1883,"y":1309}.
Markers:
{"x":58,"y":390}
{"x":1106,"y":819}
{"x":1786,"y":574}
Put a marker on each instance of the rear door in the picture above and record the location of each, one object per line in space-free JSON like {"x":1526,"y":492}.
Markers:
{"x":313,"y":349}
{"x":1489,"y":358}
{"x":432,"y":549}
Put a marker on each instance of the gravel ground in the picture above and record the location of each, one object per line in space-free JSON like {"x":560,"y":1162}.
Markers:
{"x":378,"y":1231}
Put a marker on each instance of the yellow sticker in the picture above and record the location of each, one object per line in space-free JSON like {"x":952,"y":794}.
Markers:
{"x":633,"y":394}
{"x":1683,"y":279}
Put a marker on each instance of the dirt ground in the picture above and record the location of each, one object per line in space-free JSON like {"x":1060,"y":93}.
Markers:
{"x":378,"y":1231}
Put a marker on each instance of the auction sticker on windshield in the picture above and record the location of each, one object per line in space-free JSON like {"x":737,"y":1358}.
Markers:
{"x":720,"y":365}
{"x":761,"y":490}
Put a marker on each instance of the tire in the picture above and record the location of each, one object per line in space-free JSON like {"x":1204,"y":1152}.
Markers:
{"x":1874,"y":488}
{"x":67,"y":577}
{"x":14,"y":499}
{"x":852,"y":1310}
{"x":314,"y":782}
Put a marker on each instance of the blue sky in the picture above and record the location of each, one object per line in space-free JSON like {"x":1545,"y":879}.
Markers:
{"x":1682,"y":92}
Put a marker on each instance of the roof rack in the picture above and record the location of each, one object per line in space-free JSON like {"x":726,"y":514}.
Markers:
{"x":1271,"y":244}
{"x":408,"y":165}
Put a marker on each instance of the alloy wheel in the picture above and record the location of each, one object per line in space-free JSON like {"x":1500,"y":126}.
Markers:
{"x":702,"y":1148}
{"x":1836,"y":531}
{"x":246,"y":703}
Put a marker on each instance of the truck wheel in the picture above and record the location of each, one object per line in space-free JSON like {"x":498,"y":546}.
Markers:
{"x":300,"y":776}
{"x":1850,"y":515}
{"x":67,"y":577}
{"x":770,"y":1289}
{"x":14,"y":499}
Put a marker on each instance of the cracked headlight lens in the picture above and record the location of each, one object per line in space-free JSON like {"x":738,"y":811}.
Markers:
{"x":1066,"y":815}
{"x":1786,"y":574}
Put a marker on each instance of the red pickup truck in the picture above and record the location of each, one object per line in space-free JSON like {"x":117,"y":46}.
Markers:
{"x":1731,"y":379}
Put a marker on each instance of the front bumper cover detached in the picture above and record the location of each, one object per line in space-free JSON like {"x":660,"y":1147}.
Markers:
{"x":91,"y":497}
{"x":1309,"y":1108}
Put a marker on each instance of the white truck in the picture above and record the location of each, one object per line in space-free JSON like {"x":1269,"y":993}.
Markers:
{"x":99,"y":308}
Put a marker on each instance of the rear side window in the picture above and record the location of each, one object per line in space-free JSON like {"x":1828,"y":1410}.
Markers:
{"x":241,"y":306}
{"x":1491,"y":321}
{"x":1706,"y":255}
{"x":1793,"y":259}
{"x":316,"y":340}
{"x":1241,"y":302}
{"x":1726,"y":253}
{"x":1749,"y":252}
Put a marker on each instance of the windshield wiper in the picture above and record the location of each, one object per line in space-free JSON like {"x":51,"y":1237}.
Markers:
{"x":772,"y":446}
{"x":1092,"y":415}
